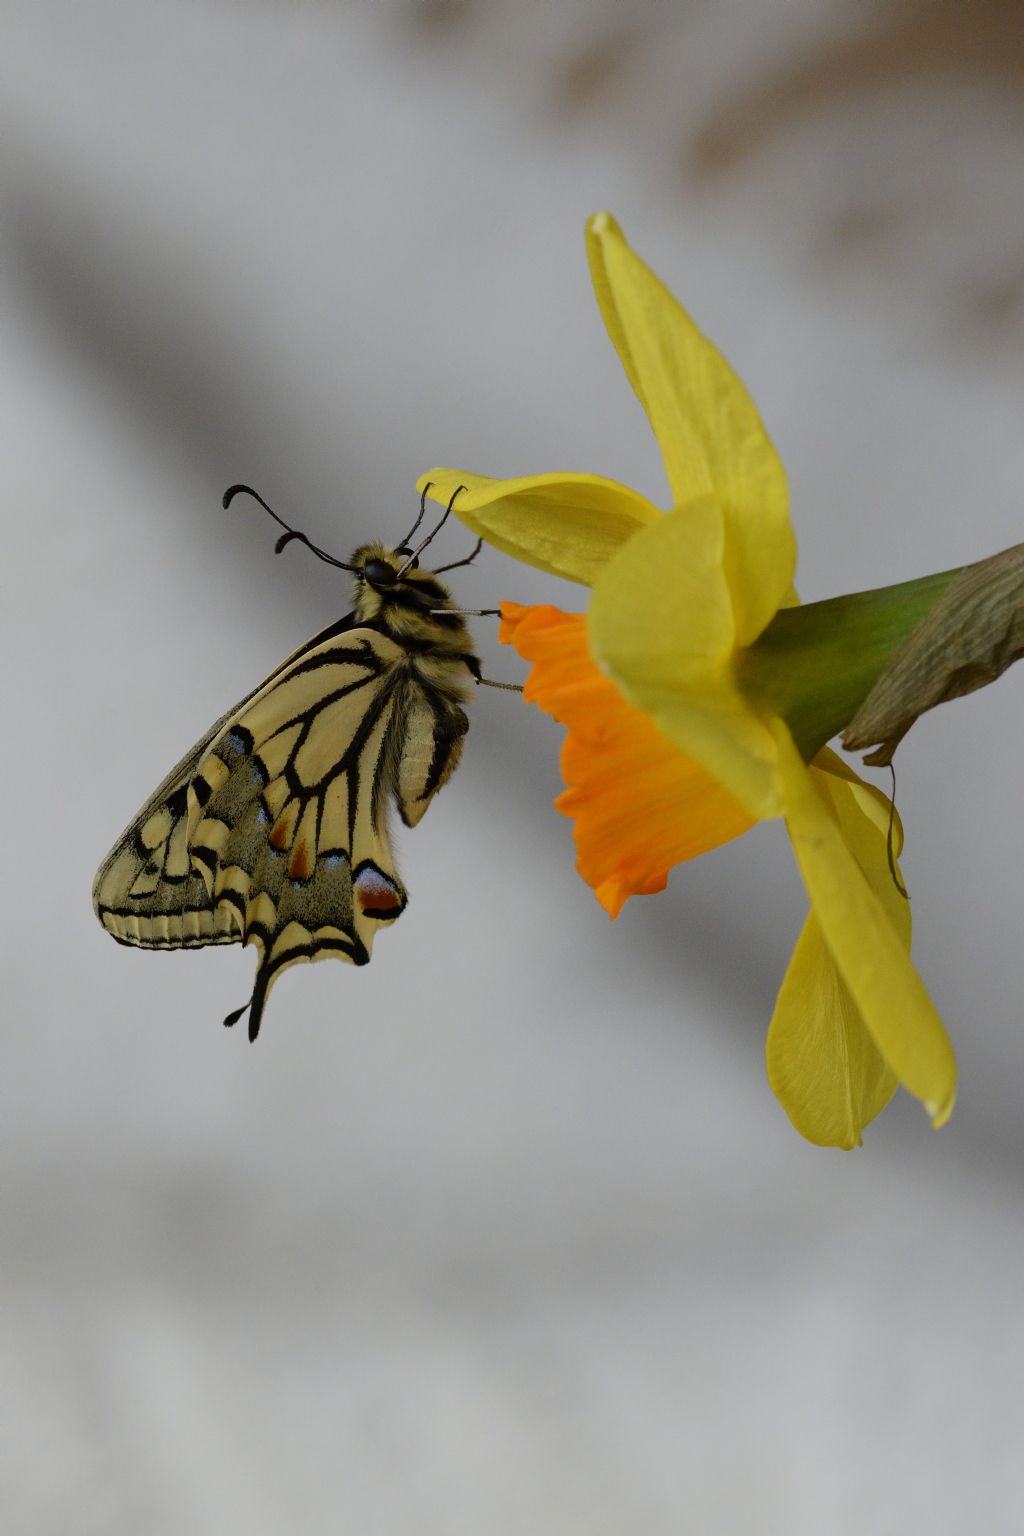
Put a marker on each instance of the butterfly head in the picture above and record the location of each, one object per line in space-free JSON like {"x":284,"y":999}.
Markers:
{"x":378,"y":567}
{"x":390,"y":585}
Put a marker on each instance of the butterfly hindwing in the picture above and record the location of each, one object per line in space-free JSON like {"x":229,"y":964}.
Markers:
{"x":287,"y":810}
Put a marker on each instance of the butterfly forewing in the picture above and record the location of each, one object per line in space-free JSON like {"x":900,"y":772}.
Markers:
{"x":146,"y":892}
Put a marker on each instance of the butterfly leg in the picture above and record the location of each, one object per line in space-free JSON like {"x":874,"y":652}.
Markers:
{"x":454,"y":566}
{"x":473,"y":665}
{"x":486,"y":682}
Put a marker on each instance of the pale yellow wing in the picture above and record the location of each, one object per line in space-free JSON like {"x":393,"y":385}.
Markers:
{"x":146,"y":892}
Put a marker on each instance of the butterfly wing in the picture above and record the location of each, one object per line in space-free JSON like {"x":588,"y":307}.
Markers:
{"x":147,"y":892}
{"x":280,"y":814}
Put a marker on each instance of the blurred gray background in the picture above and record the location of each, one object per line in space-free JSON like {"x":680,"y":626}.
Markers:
{"x":505,"y":1233}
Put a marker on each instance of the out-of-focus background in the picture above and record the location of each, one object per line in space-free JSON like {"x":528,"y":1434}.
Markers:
{"x":506,"y":1232}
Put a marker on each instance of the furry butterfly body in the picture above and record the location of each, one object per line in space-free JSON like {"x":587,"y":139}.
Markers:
{"x":273,"y":830}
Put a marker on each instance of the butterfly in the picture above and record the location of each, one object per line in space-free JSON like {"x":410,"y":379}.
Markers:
{"x":273,"y":829}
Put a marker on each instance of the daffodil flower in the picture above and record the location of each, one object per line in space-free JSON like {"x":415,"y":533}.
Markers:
{"x":694,"y":709}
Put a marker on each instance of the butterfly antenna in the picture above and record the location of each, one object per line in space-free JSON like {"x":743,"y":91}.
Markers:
{"x":431,"y":535}
{"x":423,"y":507}
{"x":290,"y":532}
{"x":456,"y":563}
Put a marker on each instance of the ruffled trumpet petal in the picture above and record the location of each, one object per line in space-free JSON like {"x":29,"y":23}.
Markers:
{"x":638,"y":804}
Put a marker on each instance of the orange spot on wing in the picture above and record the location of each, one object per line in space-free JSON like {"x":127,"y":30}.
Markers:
{"x":301,"y":863}
{"x":376,"y":894}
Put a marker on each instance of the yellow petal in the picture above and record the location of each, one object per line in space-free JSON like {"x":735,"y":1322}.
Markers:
{"x":709,"y":431}
{"x":859,"y":924}
{"x":570,"y":525}
{"x":661,"y":625}
{"x":823,"y":1066}
{"x":823,"y":1063}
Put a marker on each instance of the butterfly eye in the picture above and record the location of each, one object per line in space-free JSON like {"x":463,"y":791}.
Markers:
{"x":378,"y":573}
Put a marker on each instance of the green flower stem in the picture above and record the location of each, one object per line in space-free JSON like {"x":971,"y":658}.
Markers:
{"x":815,"y":664}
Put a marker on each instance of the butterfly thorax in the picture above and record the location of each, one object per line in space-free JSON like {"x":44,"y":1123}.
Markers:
{"x":415,"y":610}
